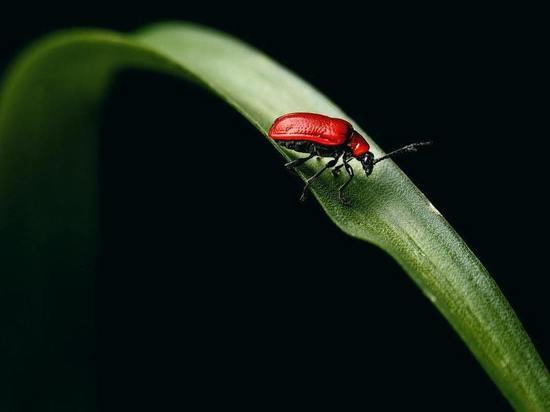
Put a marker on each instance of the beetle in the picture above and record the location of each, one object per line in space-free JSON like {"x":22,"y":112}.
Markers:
{"x":324,"y":136}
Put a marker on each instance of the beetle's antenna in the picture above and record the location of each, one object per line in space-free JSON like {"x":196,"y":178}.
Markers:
{"x":413,"y":147}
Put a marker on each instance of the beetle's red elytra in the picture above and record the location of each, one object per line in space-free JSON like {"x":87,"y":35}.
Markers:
{"x":324,"y":136}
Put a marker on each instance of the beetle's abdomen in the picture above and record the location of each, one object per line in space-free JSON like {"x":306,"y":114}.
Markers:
{"x":312,"y":127}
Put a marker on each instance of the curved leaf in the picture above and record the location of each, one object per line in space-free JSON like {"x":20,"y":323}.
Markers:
{"x":48,"y":188}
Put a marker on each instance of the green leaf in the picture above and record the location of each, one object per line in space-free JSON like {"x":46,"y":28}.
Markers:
{"x":48,"y":155}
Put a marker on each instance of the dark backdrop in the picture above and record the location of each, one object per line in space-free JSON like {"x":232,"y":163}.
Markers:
{"x":214,"y":284}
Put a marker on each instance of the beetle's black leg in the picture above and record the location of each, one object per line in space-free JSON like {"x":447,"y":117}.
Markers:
{"x":336,"y":170}
{"x":349,"y":169}
{"x":315,"y":176}
{"x":297,"y":162}
{"x":345,"y":159}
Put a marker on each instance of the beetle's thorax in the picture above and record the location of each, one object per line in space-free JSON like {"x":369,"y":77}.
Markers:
{"x":357,"y":144}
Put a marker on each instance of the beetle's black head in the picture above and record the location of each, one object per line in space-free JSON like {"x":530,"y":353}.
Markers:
{"x":367,"y":160}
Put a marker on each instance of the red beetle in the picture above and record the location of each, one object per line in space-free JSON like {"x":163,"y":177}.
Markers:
{"x":325,"y":136}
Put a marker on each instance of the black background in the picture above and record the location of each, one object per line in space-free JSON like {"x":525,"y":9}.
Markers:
{"x":215,"y":284}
